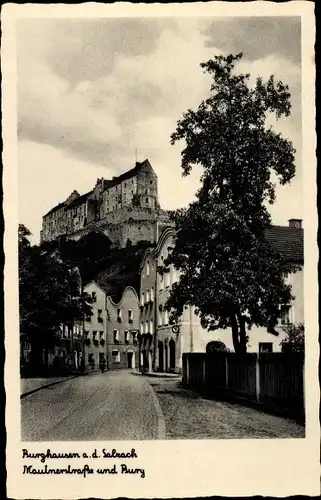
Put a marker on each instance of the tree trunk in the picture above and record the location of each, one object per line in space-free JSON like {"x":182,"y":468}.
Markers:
{"x":235,"y":334}
{"x":242,"y":334}
{"x":238,"y":333}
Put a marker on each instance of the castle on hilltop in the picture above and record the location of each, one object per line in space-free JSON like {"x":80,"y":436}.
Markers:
{"x":125,"y":208}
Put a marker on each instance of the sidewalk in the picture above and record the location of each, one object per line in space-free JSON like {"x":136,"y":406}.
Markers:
{"x":189,"y":416}
{"x":30,"y":385}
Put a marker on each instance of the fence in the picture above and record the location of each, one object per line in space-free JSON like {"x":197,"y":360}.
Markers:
{"x":272,"y":380}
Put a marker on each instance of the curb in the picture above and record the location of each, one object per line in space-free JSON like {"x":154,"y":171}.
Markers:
{"x":158,"y":375}
{"x":161,"y":426}
{"x":46,"y":385}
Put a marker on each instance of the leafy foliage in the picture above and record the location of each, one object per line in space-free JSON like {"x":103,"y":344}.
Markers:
{"x":294,"y":341}
{"x":228,"y":269}
{"x":49,"y":294}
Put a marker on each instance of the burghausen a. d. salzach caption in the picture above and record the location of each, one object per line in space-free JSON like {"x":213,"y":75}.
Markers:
{"x":85,"y":470}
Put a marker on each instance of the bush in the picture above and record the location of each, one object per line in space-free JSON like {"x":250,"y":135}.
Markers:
{"x":294,"y":340}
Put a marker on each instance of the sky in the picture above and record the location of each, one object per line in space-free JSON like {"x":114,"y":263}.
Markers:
{"x":94,"y":95}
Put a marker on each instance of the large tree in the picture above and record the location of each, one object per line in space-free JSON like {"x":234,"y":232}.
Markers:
{"x":49,"y":295}
{"x":229,"y":271}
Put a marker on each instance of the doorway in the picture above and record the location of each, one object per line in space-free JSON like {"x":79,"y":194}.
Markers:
{"x":172,"y":355}
{"x":160,"y":356}
{"x":130,"y":360}
{"x":166,"y":357}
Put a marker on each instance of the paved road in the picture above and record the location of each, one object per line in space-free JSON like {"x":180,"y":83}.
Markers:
{"x":109,"y":406}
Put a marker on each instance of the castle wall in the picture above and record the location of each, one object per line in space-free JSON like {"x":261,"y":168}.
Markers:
{"x":128,"y":210}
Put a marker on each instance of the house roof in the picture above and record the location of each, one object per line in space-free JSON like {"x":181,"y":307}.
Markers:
{"x":288,"y":241}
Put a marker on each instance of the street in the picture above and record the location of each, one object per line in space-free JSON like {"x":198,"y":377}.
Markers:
{"x":120,"y":405}
{"x":110,"y":406}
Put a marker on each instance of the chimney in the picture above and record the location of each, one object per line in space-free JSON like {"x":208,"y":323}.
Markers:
{"x":296,"y":223}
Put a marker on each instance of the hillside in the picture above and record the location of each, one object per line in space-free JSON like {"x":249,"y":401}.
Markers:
{"x":112,"y":268}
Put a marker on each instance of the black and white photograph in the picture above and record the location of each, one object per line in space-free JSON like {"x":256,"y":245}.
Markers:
{"x":160,"y":233}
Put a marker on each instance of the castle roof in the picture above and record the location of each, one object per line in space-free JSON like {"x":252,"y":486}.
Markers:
{"x":52,"y":210}
{"x":80,"y":199}
{"x":107,"y":184}
{"x":127,"y":175}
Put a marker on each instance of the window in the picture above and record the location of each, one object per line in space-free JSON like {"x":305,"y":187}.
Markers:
{"x":265,"y":347}
{"x":285,"y":318}
{"x":101,"y":335}
{"x":167,"y":279}
{"x":116,"y":336}
{"x":94,"y":296}
{"x":151,"y":327}
{"x":166,"y":317}
{"x":119,"y":315}
{"x":147,"y":268}
{"x":142,"y":299}
{"x":142,"y":327}
{"x":151,"y":182}
{"x":115,"y":356}
{"x":152,"y":294}
{"x":134,"y":336}
{"x":146,"y":326}
{"x":94,"y":334}
{"x":147,"y":200}
{"x":130,"y":316}
{"x":126,"y":335}
{"x":147,"y":295}
{"x":160,"y":318}
{"x":161,"y":282}
{"x":99,"y":316}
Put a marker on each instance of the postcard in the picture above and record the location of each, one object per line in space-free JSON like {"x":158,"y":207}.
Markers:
{"x":161,"y":322}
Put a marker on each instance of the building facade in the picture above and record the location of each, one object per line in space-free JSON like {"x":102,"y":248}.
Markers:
{"x":162,"y":345}
{"x":123,"y":330}
{"x":148,"y":315}
{"x":95,"y":327}
{"x":112,"y":331}
{"x":125,"y":208}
